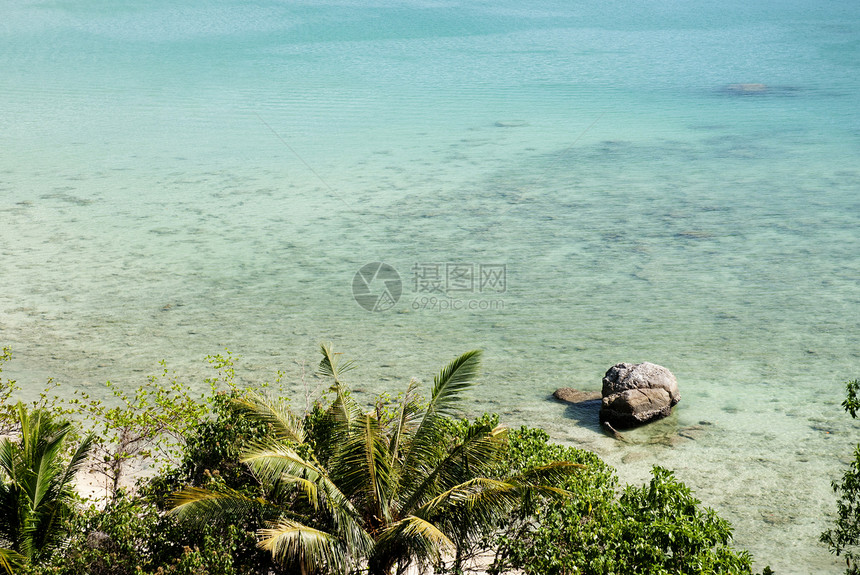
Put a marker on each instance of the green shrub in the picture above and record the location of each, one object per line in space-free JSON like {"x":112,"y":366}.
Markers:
{"x":7,"y":388}
{"x":131,"y":537}
{"x":844,"y":537}
{"x":653,"y":529}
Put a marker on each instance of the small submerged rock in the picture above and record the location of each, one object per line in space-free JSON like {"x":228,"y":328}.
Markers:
{"x":753,"y":88}
{"x":758,"y":89}
{"x":511,"y":124}
{"x":634,"y":456}
{"x":692,"y":432}
{"x":571,"y":395}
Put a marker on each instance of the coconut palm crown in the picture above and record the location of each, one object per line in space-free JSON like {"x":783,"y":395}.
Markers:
{"x":36,"y":486}
{"x":354,"y":490}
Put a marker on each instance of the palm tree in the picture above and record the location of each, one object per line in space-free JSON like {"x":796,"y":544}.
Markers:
{"x":36,"y":490}
{"x":379,"y":489}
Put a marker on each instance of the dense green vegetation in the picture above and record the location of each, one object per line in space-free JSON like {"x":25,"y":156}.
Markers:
{"x":844,"y":537}
{"x":246,"y":484}
{"x":37,"y":492}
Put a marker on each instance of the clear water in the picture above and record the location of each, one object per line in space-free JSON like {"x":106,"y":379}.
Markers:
{"x":177,"y":178}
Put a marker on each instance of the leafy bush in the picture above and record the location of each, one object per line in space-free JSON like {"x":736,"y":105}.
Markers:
{"x":654,"y":529}
{"x":160,"y":422}
{"x":525,"y":449}
{"x":844,"y":538}
{"x":7,"y":388}
{"x":149,"y":424}
{"x":213,"y":448}
{"x":131,"y":537}
{"x":664,"y":530}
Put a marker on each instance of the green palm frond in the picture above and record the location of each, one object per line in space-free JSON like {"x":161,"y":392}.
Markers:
{"x":37,"y":484}
{"x":42,"y":444}
{"x":53,"y":487}
{"x":404,"y":424}
{"x":11,"y":562}
{"x":481,"y":501}
{"x":199,"y":506}
{"x":78,"y":460}
{"x":270,"y":461}
{"x":473,"y":456}
{"x":332,"y":364}
{"x":312,"y":549}
{"x":448,"y":385}
{"x":476,"y":454}
{"x":8,"y":467}
{"x":344,"y":412}
{"x":65,"y":479}
{"x":279,"y":466}
{"x":274,"y":412}
{"x":472,"y":507}
{"x":364,"y":468}
{"x":480,"y":494}
{"x":454,"y":378}
{"x":275,"y":463}
{"x":420,"y":539}
{"x":546,"y":477}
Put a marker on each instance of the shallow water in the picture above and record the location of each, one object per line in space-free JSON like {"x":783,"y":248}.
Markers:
{"x":180,"y":179}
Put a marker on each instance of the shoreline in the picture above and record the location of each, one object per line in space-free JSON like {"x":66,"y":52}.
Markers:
{"x":712,"y":471}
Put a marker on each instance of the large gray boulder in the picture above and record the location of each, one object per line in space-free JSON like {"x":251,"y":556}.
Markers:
{"x":634,"y":394}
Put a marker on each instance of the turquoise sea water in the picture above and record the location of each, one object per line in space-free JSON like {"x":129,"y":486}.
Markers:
{"x":661,"y":181}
